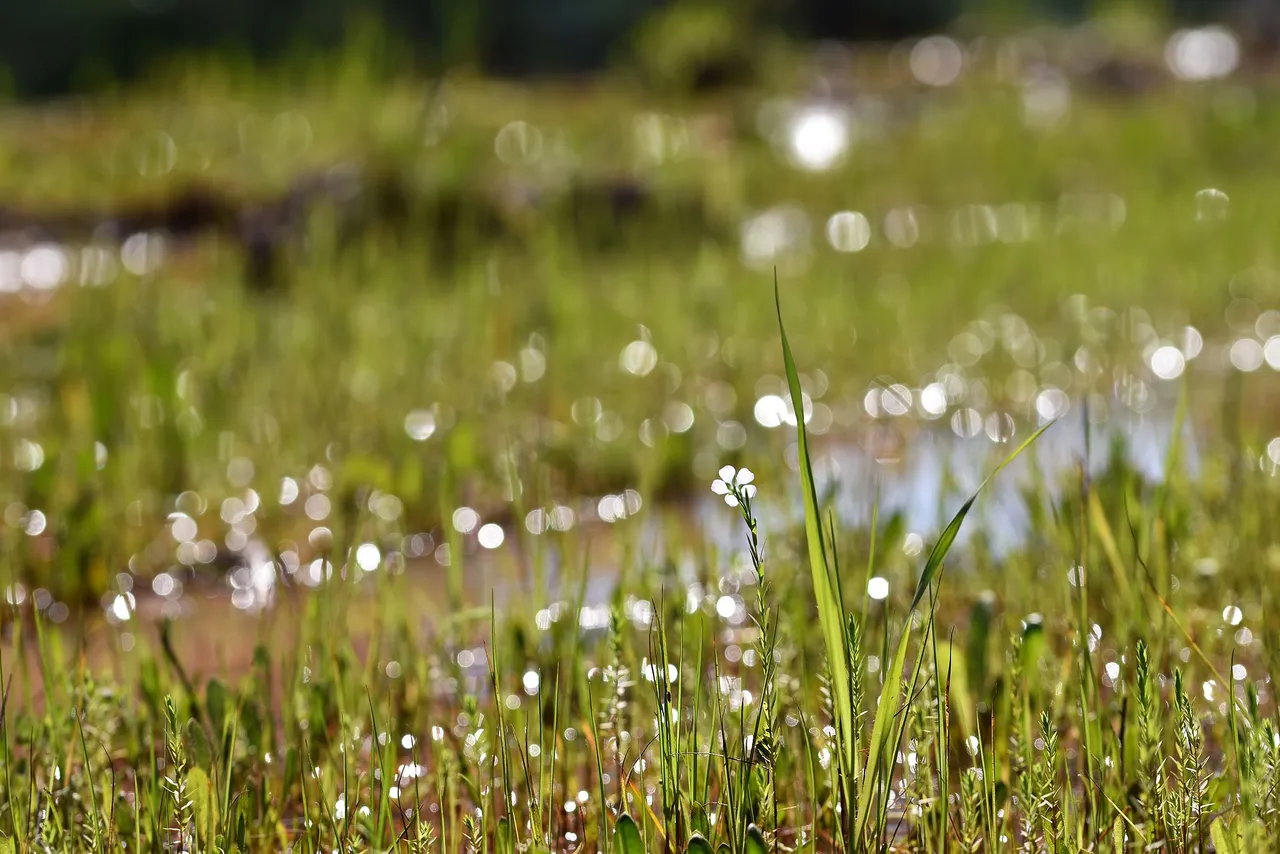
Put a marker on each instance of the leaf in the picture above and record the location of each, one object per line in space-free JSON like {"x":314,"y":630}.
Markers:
{"x":198,"y":743}
{"x":698,"y":845}
{"x":698,"y":820}
{"x":8,"y":846}
{"x":950,"y":660}
{"x":292,"y":770}
{"x":1117,"y":835}
{"x":216,"y":700}
{"x":251,"y":722}
{"x":755,"y":841}
{"x":948,"y":537}
{"x":506,"y":842}
{"x":241,"y":835}
{"x":886,"y":711}
{"x":1226,"y":838}
{"x":977,"y":646}
{"x":203,"y":805}
{"x":891,"y":693}
{"x":626,"y":836}
{"x":830,"y":608}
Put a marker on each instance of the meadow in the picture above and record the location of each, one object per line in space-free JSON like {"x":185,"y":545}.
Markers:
{"x":503,"y":515}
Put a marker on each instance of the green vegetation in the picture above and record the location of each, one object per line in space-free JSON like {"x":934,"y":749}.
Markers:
{"x":1103,"y":719}
{"x":412,"y":549}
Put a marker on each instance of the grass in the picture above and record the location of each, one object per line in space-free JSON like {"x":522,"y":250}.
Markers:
{"x":630,"y":669}
{"x":1075,"y":727}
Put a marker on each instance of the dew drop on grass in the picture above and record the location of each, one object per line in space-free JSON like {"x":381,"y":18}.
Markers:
{"x":817,"y":138}
{"x":966,"y":423}
{"x":848,"y":231}
{"x":1246,"y":355}
{"x":465,"y":520}
{"x":1000,"y":427}
{"x":368,"y":557}
{"x":1211,"y":205}
{"x":770,"y":411}
{"x":639,"y":358}
{"x":1167,"y":362}
{"x":420,"y":424}
{"x":878,"y":588}
{"x":491,"y":535}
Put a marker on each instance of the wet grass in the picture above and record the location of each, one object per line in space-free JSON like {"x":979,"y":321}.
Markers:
{"x":402,"y":554}
{"x":1042,"y":259}
{"x":1101,"y":688}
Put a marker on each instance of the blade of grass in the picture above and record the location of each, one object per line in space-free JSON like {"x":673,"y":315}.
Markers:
{"x":891,"y":694}
{"x":830,"y":609}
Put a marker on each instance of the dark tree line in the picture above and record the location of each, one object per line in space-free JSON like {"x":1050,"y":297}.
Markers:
{"x":50,"y":47}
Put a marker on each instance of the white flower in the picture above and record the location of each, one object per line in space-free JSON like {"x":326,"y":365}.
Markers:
{"x":734,"y":485}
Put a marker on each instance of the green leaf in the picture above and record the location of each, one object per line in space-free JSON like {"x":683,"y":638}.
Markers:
{"x":948,"y":537}
{"x":626,"y":836}
{"x":198,"y":744}
{"x":251,"y":722}
{"x":241,"y":834}
{"x":698,"y":820}
{"x":698,"y":845}
{"x":8,"y":846}
{"x":217,"y":701}
{"x":203,"y":804}
{"x":1226,"y":838}
{"x":886,"y":712}
{"x":977,"y":646}
{"x":830,"y":608}
{"x":755,"y":841}
{"x":506,"y":842}
{"x":1117,"y":835}
{"x":292,"y":769}
{"x":950,"y":660}
{"x":891,"y":693}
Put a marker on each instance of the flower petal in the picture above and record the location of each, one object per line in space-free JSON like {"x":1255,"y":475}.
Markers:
{"x":749,"y":491}
{"x":731,"y":500}
{"x":727,"y":473}
{"x":745,"y":476}
{"x":719,"y":487}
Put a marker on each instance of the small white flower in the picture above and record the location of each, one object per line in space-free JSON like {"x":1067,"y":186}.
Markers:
{"x":734,"y":485}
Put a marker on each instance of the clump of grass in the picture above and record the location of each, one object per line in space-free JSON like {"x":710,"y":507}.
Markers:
{"x":732,"y":749}
{"x":802,"y":714}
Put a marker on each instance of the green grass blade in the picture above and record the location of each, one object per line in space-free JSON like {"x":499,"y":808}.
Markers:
{"x":626,"y":836}
{"x":886,"y":711}
{"x":830,"y":609}
{"x":891,"y":694}
{"x":698,"y":845}
{"x":948,"y":537}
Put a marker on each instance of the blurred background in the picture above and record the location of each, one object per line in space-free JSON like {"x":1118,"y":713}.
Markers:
{"x":66,"y":46}
{"x":452,"y":276}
